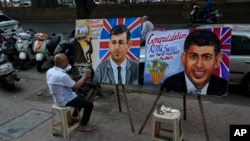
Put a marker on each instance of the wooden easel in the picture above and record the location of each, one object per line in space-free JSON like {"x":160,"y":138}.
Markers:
{"x":203,"y":117}
{"x":126,"y":103}
{"x":184,"y":110}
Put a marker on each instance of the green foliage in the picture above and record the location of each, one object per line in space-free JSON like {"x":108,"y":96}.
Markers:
{"x":72,"y":6}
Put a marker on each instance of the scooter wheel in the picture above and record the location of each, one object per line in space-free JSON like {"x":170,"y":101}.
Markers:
{"x":214,"y":20}
{"x":16,"y":77}
{"x":141,"y":73}
{"x":9,"y":86}
{"x":22,"y":63}
{"x":189,"y":22}
{"x":39,"y":65}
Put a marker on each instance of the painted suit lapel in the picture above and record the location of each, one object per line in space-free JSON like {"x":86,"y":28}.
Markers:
{"x":110,"y":73}
{"x":128,"y":71}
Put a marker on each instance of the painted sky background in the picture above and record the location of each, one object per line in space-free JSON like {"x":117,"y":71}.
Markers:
{"x":134,"y":26}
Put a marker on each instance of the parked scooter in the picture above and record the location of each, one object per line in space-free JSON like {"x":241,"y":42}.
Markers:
{"x":24,"y":44}
{"x":40,"y":49}
{"x":7,"y":73}
{"x":45,"y":48}
{"x":197,"y":16}
{"x":1,"y":37}
{"x":68,"y":49}
{"x":8,"y":48}
{"x":66,"y":46}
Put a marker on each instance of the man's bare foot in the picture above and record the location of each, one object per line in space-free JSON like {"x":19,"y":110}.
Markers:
{"x":86,"y":128}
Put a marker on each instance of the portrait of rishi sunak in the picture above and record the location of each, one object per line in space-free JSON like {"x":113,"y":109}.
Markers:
{"x":118,"y":69}
{"x":202,"y":54}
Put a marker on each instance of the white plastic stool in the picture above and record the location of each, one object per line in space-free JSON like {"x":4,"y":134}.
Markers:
{"x":167,"y":118}
{"x":62,"y":126}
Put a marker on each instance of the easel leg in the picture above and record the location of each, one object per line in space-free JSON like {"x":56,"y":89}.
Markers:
{"x":150,"y":112}
{"x":93,"y":95}
{"x":118,"y":98}
{"x":184,"y":106}
{"x":128,"y":110}
{"x":203,"y":117}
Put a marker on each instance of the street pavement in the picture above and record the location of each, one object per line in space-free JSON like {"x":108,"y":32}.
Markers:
{"x":111,"y":125}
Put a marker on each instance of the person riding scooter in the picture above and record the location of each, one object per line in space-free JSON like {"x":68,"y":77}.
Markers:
{"x":208,"y":14}
{"x":204,"y":12}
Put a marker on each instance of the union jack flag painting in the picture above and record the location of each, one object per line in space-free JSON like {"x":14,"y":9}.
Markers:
{"x":134,"y":26}
{"x":224,"y":34}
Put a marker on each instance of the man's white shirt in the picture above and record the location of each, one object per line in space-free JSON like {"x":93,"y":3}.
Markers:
{"x":60,"y":85}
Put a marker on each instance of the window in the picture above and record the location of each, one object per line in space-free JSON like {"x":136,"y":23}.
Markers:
{"x":246,"y":45}
{"x":236,"y":45}
{"x":4,"y":18}
{"x":240,"y":45}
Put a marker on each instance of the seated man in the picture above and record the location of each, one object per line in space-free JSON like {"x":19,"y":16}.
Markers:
{"x":60,"y":86}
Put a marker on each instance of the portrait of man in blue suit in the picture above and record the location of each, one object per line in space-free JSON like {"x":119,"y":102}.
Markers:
{"x":118,"y":69}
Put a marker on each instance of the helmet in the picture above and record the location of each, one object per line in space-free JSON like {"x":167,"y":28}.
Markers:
{"x":196,"y":6}
{"x":10,"y":38}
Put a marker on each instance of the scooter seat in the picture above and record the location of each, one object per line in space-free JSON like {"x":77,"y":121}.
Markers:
{"x":3,"y":60}
{"x":51,"y":45}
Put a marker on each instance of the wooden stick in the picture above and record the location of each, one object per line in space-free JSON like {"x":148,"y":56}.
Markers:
{"x":118,"y":98}
{"x":203,"y":117}
{"x":184,"y":106}
{"x":128,"y":110}
{"x":150,"y":112}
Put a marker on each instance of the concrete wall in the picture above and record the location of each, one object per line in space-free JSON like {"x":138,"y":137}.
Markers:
{"x":237,"y":0}
{"x":158,"y":12}
{"x":58,"y":14}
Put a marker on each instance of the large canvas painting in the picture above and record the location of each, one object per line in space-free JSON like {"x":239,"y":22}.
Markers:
{"x":111,"y":47}
{"x":194,"y":61}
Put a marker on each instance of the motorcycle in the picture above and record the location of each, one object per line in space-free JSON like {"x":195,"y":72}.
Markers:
{"x":68,"y":49}
{"x":8,"y":48}
{"x":7,"y":73}
{"x":1,"y":37}
{"x":199,"y":16}
{"x":24,"y":47}
{"x":45,"y":48}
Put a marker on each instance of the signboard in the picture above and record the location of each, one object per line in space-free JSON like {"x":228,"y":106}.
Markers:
{"x":105,"y":44}
{"x":188,"y":60}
